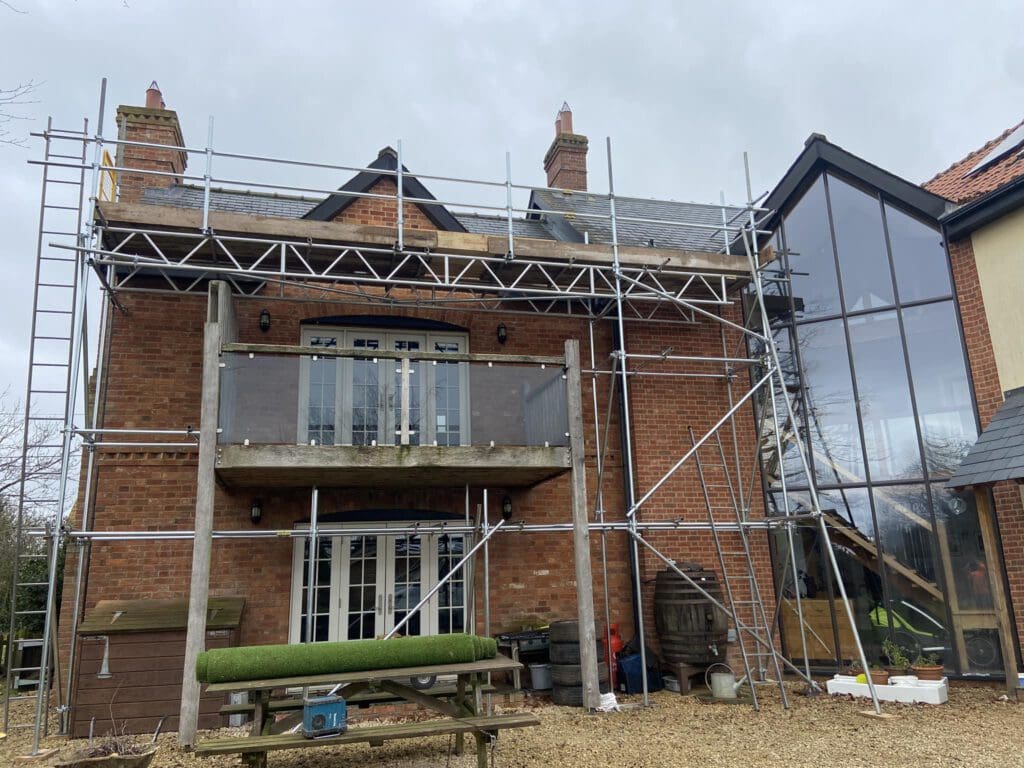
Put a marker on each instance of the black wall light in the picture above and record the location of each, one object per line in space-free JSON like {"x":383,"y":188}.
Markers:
{"x":502,"y":333}
{"x":506,"y":508}
{"x":256,"y":511}
{"x":265,"y":320}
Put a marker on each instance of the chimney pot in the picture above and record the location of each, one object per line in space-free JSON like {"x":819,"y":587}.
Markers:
{"x":563,"y":121}
{"x":154,"y":99}
{"x":566,"y":159}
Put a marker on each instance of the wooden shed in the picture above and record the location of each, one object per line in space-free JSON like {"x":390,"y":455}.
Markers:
{"x":130,"y":664}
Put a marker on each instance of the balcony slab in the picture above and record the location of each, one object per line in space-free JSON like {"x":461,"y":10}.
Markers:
{"x":387,"y":466}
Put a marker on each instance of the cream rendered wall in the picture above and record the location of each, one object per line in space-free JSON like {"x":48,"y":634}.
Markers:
{"x":999,"y":254}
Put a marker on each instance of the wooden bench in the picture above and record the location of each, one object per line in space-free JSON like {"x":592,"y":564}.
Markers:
{"x":253,"y":749}
{"x":460,"y":709}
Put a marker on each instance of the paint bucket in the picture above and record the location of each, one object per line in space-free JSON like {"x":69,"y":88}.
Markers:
{"x":721,"y":684}
{"x":540,"y":677}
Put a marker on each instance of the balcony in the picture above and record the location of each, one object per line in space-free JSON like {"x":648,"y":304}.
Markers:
{"x":302,"y":416}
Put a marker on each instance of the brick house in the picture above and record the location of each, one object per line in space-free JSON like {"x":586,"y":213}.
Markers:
{"x":342,"y":380}
{"x":394,"y":367}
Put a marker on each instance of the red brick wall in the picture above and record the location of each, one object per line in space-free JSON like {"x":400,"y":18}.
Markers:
{"x":150,"y":126}
{"x":566,"y":162}
{"x":383,"y":212}
{"x":154,"y":378}
{"x":989,"y":394}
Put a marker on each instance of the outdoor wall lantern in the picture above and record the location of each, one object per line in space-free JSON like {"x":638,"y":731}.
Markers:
{"x":506,"y":508}
{"x":265,"y":320}
{"x":502,"y":333}
{"x":256,"y":511}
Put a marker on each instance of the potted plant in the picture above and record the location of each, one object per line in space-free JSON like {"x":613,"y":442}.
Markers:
{"x":927,"y":667}
{"x":879,"y":675}
{"x":898,"y":661}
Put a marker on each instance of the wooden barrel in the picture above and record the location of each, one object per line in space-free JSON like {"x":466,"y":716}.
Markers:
{"x":692,"y":630}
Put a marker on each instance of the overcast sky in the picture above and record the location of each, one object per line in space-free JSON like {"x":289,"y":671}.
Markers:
{"x":682,"y":89}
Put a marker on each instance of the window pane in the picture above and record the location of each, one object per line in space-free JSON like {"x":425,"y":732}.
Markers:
{"x":968,"y":591}
{"x":809,"y":249}
{"x":890,"y":435}
{"x":791,"y":464}
{"x":922,"y":271}
{"x":860,"y":243}
{"x":940,"y":384}
{"x":832,"y":418}
{"x":848,"y":515}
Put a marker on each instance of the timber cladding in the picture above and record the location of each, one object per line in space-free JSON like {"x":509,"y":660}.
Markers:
{"x":144,"y":682}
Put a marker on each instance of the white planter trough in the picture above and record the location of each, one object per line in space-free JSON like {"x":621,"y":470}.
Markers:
{"x":903,"y":688}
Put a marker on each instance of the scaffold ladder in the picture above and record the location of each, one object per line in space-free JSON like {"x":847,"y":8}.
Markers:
{"x":47,"y":430}
{"x":754,"y":637}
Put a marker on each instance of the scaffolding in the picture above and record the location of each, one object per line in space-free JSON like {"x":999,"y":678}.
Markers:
{"x":622,"y":290}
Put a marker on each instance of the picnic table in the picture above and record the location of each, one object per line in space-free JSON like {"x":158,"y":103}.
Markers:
{"x":459,"y":712}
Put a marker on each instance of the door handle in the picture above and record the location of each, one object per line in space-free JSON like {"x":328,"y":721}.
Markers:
{"x":380,"y":605}
{"x":391,"y":602}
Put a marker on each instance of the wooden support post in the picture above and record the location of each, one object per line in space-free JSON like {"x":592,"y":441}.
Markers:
{"x":220,"y":328}
{"x":581,"y":530}
{"x":987,"y":524}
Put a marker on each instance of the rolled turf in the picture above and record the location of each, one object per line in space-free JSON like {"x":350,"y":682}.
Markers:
{"x":264,"y":662}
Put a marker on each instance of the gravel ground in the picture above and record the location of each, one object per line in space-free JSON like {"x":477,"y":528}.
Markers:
{"x":973,"y":729}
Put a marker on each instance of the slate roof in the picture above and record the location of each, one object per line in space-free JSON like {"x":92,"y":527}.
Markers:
{"x":231,"y":201}
{"x":635,"y":232}
{"x":999,"y":452}
{"x":959,"y":184}
{"x":498,"y":225}
{"x":537,"y":225}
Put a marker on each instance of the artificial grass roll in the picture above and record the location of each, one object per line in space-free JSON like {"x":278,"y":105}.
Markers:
{"x":263,"y":662}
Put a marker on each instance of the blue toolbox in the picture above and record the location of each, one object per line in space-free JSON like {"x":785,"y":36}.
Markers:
{"x":323,"y":716}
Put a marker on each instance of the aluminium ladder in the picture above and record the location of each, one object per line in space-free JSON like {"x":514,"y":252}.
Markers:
{"x":754,"y":637}
{"x":48,"y":424}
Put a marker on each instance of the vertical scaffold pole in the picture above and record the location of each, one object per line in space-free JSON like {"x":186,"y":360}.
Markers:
{"x":208,"y":176}
{"x":400,"y":200}
{"x":627,"y":431}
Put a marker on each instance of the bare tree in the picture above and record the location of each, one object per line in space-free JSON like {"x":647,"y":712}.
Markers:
{"x":41,"y":471}
{"x":10,"y":100}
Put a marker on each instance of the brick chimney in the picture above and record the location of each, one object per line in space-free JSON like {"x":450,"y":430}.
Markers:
{"x":566,"y":159}
{"x":152,"y":124}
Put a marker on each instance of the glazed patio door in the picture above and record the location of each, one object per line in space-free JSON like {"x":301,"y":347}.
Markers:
{"x":366,"y":585}
{"x":350,"y":401}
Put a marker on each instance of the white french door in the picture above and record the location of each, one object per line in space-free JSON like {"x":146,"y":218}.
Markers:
{"x":349,"y":401}
{"x":366,"y":585}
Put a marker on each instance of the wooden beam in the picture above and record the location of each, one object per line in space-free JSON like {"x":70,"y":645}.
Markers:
{"x":581,"y":530}
{"x":916,"y":580}
{"x":219,"y":329}
{"x":336,"y":232}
